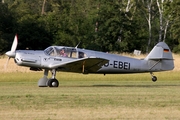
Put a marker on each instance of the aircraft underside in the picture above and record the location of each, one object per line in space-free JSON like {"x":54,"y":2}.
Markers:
{"x":53,"y":82}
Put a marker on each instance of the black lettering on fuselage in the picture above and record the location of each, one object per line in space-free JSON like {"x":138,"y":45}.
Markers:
{"x":119,"y":65}
{"x":115,"y":64}
{"x":55,"y":59}
{"x":126,"y":65}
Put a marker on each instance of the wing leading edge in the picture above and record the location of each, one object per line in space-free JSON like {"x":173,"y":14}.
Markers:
{"x":86,"y":65}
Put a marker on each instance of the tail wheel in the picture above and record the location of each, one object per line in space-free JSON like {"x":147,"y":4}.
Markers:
{"x":53,"y":83}
{"x":154,"y":78}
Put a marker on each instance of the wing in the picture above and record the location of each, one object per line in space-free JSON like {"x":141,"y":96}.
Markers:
{"x":86,"y":65}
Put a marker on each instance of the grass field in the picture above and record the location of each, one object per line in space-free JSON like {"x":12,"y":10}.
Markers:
{"x":89,"y":97}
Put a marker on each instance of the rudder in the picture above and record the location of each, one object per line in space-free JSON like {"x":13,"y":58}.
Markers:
{"x":162,"y":53}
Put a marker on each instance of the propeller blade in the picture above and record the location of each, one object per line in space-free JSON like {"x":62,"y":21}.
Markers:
{"x":12,"y":53}
{"x":14,"y":45}
{"x":5,"y":66}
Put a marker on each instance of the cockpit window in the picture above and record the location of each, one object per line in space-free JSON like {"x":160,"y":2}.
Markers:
{"x":73,"y":53}
{"x":81,"y":55}
{"x":64,"y":52}
{"x":49,"y":51}
{"x":56,"y":51}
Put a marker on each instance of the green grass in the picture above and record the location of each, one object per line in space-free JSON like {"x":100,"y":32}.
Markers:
{"x":96,"y":97}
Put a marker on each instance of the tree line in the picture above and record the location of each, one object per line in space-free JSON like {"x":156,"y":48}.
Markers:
{"x":103,"y":25}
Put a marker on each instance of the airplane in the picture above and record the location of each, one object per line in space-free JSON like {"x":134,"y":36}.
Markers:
{"x":73,"y":59}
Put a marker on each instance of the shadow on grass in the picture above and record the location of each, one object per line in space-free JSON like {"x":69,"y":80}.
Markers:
{"x":130,"y":86}
{"x":134,"y":85}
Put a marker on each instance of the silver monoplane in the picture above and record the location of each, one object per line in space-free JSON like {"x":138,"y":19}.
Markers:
{"x":73,"y":59}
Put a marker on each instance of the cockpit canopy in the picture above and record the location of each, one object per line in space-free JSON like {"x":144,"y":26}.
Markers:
{"x":64,"y":52}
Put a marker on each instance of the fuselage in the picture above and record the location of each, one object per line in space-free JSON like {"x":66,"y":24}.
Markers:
{"x":51,"y":56}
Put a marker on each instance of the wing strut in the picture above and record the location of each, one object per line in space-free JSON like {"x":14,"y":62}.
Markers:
{"x":83,"y":66}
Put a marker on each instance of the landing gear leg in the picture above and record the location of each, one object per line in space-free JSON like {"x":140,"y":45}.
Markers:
{"x":154,"y":78}
{"x":43,"y":81}
{"x":53,"y":82}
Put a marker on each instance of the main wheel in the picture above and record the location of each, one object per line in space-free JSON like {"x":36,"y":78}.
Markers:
{"x":53,"y":83}
{"x":154,"y":78}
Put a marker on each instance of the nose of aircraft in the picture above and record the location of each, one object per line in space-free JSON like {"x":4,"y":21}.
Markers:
{"x":10,"y":54}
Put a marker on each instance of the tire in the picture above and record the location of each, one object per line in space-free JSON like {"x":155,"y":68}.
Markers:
{"x":154,"y":78}
{"x":53,"y":83}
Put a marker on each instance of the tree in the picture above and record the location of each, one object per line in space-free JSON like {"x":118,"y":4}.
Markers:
{"x":145,"y":7}
{"x":163,"y":21}
{"x":110,"y":23}
{"x":74,"y":23}
{"x":172,"y":9}
{"x":6,"y":27}
{"x":117,"y":25}
{"x":29,"y":25}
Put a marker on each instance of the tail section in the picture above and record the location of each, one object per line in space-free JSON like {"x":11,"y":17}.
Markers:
{"x":161,"y":53}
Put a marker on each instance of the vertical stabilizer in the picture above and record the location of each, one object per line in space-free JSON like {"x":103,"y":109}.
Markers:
{"x":163,"y":55}
{"x":160,"y":51}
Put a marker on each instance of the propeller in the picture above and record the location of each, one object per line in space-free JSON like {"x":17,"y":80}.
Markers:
{"x":12,"y":53}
